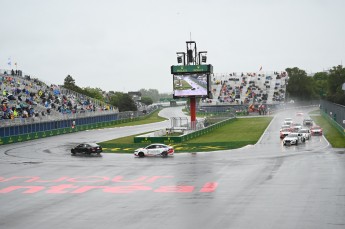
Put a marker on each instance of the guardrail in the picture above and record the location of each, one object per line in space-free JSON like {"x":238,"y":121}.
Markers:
{"x":334,"y":111}
{"x":333,"y":122}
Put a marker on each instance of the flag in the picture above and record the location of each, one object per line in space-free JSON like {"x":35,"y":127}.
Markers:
{"x":260,"y":68}
{"x":9,"y":61}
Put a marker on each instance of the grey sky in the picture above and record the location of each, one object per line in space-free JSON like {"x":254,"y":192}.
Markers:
{"x":126,"y":45}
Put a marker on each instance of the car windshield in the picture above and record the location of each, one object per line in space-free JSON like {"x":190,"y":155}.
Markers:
{"x":93,"y":144}
{"x":151,"y":147}
{"x":293,"y":135}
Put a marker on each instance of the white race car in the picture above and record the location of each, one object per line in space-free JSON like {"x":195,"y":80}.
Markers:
{"x":293,"y":139}
{"x":156,"y":149}
{"x":306,"y":133}
{"x":287,"y":121}
{"x":307,"y":122}
{"x":295,"y":127}
{"x":285,"y":127}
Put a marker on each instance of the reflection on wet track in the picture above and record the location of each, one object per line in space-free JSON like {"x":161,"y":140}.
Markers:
{"x":266,"y":185}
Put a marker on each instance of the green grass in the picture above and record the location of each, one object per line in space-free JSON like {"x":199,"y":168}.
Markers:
{"x":184,"y":85}
{"x":335,"y":138}
{"x":249,"y":129}
{"x":236,"y":134}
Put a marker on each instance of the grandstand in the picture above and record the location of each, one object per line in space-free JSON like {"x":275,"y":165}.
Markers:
{"x":25,"y":99}
{"x":247,"y":88}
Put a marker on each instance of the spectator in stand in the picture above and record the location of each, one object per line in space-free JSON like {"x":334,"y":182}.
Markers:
{"x":31,"y":111}
{"x":11,"y":97}
{"x":15,"y":113}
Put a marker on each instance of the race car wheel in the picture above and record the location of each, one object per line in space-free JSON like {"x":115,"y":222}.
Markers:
{"x":164,"y":154}
{"x":141,"y":154}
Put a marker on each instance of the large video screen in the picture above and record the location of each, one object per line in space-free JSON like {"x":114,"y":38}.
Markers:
{"x":191,"y":85}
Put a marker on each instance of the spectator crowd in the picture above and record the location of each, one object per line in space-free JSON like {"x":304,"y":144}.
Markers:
{"x":26,"y":97}
{"x":248,"y":88}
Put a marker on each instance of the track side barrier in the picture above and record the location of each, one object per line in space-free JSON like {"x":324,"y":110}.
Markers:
{"x":21,"y":133}
{"x":333,"y":123}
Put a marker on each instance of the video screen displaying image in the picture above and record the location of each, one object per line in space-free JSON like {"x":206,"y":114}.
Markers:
{"x":191,"y":85}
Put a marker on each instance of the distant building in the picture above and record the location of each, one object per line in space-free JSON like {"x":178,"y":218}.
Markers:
{"x":136,"y":96}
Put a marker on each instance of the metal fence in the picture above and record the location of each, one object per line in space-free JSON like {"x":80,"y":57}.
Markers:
{"x":29,"y":126}
{"x":335,"y":111}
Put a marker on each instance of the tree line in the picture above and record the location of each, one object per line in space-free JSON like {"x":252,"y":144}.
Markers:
{"x":123,"y":101}
{"x":322,"y":85}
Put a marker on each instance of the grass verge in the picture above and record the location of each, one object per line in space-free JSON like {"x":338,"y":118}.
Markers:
{"x":234,"y":135}
{"x":335,"y":138}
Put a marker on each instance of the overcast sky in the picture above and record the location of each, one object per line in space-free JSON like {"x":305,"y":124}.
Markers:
{"x":126,"y":45}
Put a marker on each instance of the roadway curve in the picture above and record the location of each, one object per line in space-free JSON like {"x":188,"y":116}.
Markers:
{"x":261,"y":186}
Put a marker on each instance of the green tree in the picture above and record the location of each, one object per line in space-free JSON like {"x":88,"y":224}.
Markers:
{"x":299,"y":85}
{"x":123,"y":101}
{"x":335,"y":81}
{"x":321,"y":83}
{"x":69,"y":83}
{"x":152,"y":93}
{"x":165,"y":95}
{"x":146,"y":100}
{"x":95,"y":93}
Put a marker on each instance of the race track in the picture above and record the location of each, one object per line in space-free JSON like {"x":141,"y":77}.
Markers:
{"x":263,"y":186}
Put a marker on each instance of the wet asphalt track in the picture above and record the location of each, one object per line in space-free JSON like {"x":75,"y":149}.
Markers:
{"x":261,"y":186}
